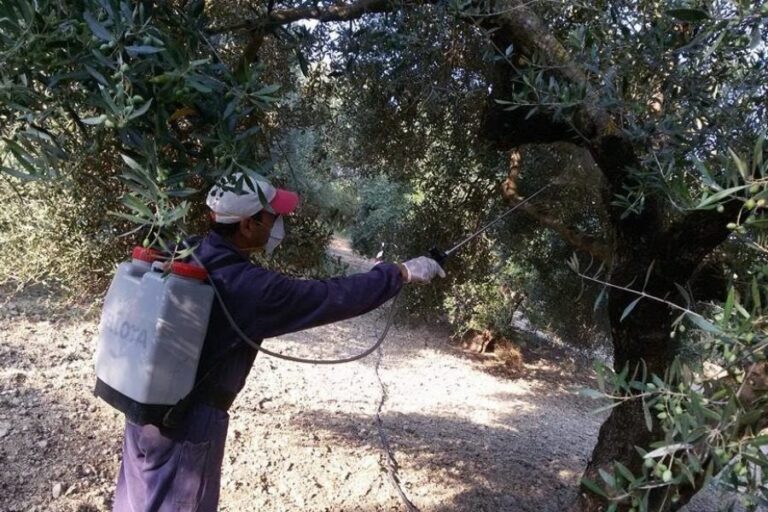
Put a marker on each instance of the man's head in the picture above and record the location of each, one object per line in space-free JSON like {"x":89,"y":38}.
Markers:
{"x":247,"y":211}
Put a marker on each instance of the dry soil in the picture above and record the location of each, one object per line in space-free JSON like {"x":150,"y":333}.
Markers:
{"x":467,"y":434}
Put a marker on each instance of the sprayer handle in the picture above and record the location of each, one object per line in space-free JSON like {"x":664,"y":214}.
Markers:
{"x":438,"y":255}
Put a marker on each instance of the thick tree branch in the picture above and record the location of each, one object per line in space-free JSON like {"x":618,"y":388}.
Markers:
{"x":338,"y":12}
{"x":578,"y":240}
{"x":518,"y":25}
{"x":687,"y":242}
{"x":512,"y":23}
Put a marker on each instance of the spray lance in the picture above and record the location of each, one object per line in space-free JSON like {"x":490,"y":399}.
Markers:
{"x":435,"y":253}
{"x":441,"y":256}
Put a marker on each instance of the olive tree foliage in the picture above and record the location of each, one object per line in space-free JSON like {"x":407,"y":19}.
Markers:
{"x":686,"y":163}
{"x":690,"y":99}
{"x":403,"y":110}
{"x":382,"y":213}
{"x":129,"y":111}
{"x":668,"y":99}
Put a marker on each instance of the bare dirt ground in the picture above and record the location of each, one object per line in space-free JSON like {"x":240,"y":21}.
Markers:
{"x":467,"y":434}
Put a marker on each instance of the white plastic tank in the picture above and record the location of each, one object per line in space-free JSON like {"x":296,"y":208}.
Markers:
{"x":152,"y":328}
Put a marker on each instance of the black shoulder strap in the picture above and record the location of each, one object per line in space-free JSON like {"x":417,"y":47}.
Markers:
{"x":174,"y":417}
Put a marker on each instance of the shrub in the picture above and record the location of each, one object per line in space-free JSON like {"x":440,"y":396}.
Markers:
{"x":61,"y":233}
{"x":487,"y":303}
{"x":384,"y":206}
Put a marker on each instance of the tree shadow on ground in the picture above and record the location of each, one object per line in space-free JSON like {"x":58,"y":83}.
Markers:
{"x":56,"y":454}
{"x":514,"y":464}
{"x":59,"y":444}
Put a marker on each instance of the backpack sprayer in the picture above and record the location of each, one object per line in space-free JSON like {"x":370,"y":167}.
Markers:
{"x":154,"y":323}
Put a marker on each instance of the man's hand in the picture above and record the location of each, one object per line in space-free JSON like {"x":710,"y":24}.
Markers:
{"x":421,"y":270}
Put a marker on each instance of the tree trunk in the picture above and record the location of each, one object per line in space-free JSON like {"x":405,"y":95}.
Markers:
{"x":642,"y":338}
{"x":622,"y":431}
{"x":641,"y":342}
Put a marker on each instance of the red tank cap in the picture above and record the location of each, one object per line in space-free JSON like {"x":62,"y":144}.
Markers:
{"x":146,"y":254}
{"x":189,"y":270}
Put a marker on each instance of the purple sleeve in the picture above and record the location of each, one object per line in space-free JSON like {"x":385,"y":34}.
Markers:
{"x":275,"y":304}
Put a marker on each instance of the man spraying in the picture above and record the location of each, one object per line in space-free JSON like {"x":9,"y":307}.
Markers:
{"x":173,"y":469}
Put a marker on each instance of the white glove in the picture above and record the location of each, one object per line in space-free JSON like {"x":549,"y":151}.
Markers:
{"x":422,"y":270}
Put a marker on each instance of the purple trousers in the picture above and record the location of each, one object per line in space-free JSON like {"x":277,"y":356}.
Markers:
{"x":173,"y":471}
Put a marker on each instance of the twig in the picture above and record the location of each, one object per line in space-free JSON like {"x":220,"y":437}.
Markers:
{"x":640,"y":293}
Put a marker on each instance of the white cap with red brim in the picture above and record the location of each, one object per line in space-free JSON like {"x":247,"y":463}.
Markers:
{"x":241,"y":196}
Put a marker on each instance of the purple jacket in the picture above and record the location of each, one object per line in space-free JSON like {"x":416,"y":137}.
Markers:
{"x":165,"y":471}
{"x":265,"y":304}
